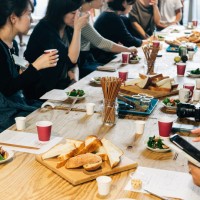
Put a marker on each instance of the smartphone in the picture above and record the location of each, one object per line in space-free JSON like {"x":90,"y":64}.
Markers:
{"x":182,"y":128}
{"x":188,"y":150}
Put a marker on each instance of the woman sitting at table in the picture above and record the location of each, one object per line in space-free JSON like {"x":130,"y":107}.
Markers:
{"x":114,"y":25}
{"x":91,"y":37}
{"x":144,"y":17}
{"x":193,"y":169}
{"x":55,"y":31}
{"x":15,"y":18}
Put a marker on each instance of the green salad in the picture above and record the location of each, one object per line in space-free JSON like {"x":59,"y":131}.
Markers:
{"x":196,"y":71}
{"x":171,"y":102}
{"x":156,"y":143}
{"x":75,"y":93}
{"x":3,"y":155}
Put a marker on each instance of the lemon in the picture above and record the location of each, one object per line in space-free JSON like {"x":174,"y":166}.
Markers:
{"x":177,"y":59}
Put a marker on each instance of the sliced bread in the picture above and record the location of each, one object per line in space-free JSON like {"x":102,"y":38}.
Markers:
{"x":59,"y":149}
{"x":114,"y":153}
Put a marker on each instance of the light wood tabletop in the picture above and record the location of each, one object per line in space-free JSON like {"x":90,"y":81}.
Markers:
{"x":23,"y":178}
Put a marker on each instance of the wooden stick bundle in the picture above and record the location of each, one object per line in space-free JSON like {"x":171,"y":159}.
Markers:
{"x":110,"y":87}
{"x":150,"y":55}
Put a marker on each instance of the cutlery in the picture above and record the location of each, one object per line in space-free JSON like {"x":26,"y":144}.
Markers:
{"x":20,"y":146}
{"x":69,"y":109}
{"x":152,"y":193}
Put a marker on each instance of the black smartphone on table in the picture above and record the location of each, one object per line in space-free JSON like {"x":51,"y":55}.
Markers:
{"x":187,"y":149}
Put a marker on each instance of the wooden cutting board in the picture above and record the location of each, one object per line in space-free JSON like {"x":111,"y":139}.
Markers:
{"x":132,"y":89}
{"x":78,"y":176}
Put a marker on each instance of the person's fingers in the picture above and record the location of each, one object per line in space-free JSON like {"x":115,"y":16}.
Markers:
{"x":196,"y":131}
{"x":196,"y":139}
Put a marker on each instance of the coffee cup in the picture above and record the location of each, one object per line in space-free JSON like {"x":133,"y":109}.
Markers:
{"x":191,"y":55}
{"x":181,"y":69}
{"x":165,"y":126}
{"x":49,"y":50}
{"x":156,"y":44}
{"x":123,"y":75}
{"x":195,"y":23}
{"x":189,"y":86}
{"x":125,"y":58}
{"x":196,"y":95}
{"x":44,"y":130}
{"x":184,"y":95}
{"x":20,"y":123}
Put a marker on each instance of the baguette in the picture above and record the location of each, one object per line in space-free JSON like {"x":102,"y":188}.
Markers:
{"x":114,"y":153}
{"x":159,"y":89}
{"x":93,"y":166}
{"x":83,"y":159}
{"x":102,"y":152}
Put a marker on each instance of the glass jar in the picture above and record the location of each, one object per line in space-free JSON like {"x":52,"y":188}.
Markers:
{"x":109,"y":113}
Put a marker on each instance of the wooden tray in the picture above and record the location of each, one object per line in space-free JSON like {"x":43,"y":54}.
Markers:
{"x":132,"y":89}
{"x":78,"y":176}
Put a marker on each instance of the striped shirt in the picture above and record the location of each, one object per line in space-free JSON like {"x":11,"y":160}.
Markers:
{"x":89,"y":36}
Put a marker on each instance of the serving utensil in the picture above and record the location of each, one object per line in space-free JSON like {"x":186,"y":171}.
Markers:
{"x":73,"y":103}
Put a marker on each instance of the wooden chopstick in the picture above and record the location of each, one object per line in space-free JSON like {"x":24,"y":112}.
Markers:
{"x":20,"y":146}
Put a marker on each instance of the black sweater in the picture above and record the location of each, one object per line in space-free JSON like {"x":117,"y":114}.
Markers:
{"x":45,"y":36}
{"x":115,"y":28}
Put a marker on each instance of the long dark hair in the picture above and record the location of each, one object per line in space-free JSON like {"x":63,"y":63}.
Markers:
{"x":116,"y":5}
{"x":7,"y":7}
{"x":56,"y":10}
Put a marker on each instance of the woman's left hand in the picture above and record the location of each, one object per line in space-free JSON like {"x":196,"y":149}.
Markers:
{"x":133,"y":50}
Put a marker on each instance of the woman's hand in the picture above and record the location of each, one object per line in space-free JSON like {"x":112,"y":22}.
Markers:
{"x":195,"y":172}
{"x":46,"y":60}
{"x":80,"y":21}
{"x":154,"y":2}
{"x":133,"y":50}
{"x":196,"y":131}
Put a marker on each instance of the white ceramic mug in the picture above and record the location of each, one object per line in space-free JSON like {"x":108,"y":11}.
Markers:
{"x":90,"y":108}
{"x":103,"y":183}
{"x":20,"y":123}
{"x":184,"y":95}
{"x":196,"y":95}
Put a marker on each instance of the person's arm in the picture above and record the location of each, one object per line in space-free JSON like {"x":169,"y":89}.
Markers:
{"x":74,"y":48}
{"x":156,"y":12}
{"x":195,"y":172}
{"x":98,"y":41}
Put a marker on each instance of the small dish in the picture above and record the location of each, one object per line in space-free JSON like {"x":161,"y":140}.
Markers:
{"x":158,"y":150}
{"x":134,"y":61}
{"x":96,"y":80}
{"x":10,"y":155}
{"x":193,"y":75}
{"x":78,"y":98}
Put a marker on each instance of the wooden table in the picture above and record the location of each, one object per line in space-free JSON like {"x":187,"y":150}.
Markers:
{"x":23,"y":178}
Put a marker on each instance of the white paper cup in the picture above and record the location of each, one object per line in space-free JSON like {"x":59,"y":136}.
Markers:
{"x":139,"y":125}
{"x":90,"y":108}
{"x":191,"y":55}
{"x":198,"y":83}
{"x":49,"y":50}
{"x":196,"y":95}
{"x":20,"y":123}
{"x":103,"y":183}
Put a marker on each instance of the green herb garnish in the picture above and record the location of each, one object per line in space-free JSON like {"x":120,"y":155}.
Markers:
{"x":155,"y":142}
{"x":75,"y":93}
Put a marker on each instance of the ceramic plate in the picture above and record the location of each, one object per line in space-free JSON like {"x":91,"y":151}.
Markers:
{"x":158,"y":150}
{"x":96,"y":80}
{"x":169,"y":107}
{"x":193,"y":75}
{"x":10,"y":155}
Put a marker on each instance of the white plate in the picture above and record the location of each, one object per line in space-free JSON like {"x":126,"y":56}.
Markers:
{"x":10,"y":155}
{"x":158,"y":150}
{"x":193,"y":75}
{"x":79,"y":98}
{"x":169,"y":107}
{"x":93,"y":80}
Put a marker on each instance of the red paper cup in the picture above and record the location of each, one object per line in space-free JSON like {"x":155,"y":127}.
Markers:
{"x":125,"y":58}
{"x":165,"y":126}
{"x":181,"y":69}
{"x":195,"y":23}
{"x":49,"y":50}
{"x":123,"y":75}
{"x":44,"y":130}
{"x":189,"y":86}
{"x":156,"y":43}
